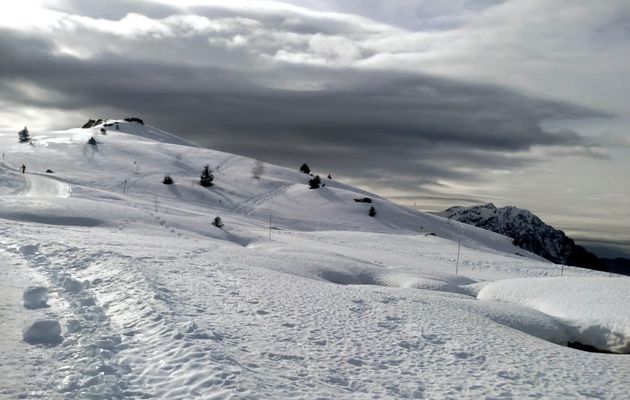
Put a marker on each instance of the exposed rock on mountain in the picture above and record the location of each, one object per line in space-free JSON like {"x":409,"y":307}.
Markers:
{"x":528,"y":231}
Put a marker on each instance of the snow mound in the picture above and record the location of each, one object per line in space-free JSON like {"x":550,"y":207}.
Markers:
{"x":594,"y":309}
{"x":392,"y":279}
{"x":43,"y":331}
{"x":35,"y":297}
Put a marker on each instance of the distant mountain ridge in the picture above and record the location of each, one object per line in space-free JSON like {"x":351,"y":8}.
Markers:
{"x":528,"y":232}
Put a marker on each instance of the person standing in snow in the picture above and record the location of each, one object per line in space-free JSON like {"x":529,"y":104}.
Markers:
{"x":23,"y":168}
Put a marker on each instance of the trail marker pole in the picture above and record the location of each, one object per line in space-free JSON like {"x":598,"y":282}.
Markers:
{"x":124,"y":186}
{"x":459,"y":245}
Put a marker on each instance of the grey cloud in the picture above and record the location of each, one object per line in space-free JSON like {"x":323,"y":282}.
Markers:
{"x":113,"y":9}
{"x":398,"y":129}
{"x":413,"y":15}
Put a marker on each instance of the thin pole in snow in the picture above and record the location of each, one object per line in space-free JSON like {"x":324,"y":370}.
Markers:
{"x":156,"y":203}
{"x":561,"y":269}
{"x":459,"y":245}
{"x":124,"y":186}
{"x":270,"y":226}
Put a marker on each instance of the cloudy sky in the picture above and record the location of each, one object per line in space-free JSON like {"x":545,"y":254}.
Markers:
{"x":433,"y":102}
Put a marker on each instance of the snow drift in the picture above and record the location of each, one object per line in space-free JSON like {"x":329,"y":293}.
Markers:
{"x":594,"y":310}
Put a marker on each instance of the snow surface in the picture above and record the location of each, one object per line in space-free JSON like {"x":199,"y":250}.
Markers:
{"x":155,"y":302}
{"x":595,"y":309}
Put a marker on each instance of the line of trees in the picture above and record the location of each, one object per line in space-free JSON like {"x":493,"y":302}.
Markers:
{"x":316,"y":182}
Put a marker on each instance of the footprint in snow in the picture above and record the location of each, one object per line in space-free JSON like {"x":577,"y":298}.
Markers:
{"x":463,"y":355}
{"x":43,"y":331}
{"x":435,"y":339}
{"x":409,"y":345}
{"x":35,"y":297}
{"x":508,"y":375}
{"x":357,"y":362}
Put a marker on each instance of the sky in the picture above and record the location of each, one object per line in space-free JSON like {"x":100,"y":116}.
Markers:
{"x":428,"y":103}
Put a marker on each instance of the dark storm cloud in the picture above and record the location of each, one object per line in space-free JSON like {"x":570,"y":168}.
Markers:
{"x":399,"y":130}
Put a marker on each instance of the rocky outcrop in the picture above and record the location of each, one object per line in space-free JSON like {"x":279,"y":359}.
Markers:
{"x":528,"y":232}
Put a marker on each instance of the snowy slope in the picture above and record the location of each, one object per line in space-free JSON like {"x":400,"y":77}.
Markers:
{"x":153,"y":301}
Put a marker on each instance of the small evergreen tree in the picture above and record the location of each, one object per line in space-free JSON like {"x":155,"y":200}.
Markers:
{"x":24,"y":135}
{"x":92,"y":141}
{"x":372,"y":212}
{"x":258,"y":170}
{"x":206,"y":176}
{"x":167,"y":180}
{"x":315,"y":183}
{"x":217,"y":222}
{"x":304,"y":168}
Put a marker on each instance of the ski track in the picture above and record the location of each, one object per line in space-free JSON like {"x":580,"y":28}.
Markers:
{"x":89,"y":347}
{"x":250,"y":205}
{"x":42,"y":186}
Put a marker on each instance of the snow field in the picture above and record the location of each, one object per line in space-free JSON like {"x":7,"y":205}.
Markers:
{"x":154,"y":302}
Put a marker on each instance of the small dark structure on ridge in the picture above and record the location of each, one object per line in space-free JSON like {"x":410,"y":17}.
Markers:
{"x":134,"y":119}
{"x":91,"y":122}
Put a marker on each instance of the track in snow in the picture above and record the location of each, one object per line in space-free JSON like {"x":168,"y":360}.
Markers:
{"x":42,"y":186}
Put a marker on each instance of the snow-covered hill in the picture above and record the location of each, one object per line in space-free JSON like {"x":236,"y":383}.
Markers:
{"x":118,"y":286}
{"x":528,"y":231}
